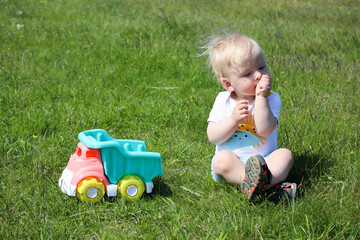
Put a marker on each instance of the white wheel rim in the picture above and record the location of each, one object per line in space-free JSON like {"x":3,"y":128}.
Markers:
{"x":132,"y":190}
{"x":92,"y":192}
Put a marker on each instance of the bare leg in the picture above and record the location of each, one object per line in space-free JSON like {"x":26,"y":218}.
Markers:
{"x":228,"y":166}
{"x":279,"y":163}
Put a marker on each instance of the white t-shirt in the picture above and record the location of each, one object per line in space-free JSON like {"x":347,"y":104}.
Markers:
{"x":245,"y":142}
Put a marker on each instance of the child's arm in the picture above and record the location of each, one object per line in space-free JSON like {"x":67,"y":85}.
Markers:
{"x":220,"y":132}
{"x":265,"y":121}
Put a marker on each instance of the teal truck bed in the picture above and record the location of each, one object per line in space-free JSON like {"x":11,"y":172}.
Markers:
{"x":123,"y":157}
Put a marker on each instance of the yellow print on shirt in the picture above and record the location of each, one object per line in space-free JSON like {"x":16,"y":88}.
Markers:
{"x":245,"y":136}
{"x":248,"y":126}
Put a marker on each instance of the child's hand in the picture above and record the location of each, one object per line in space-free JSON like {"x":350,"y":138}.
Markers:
{"x":264,"y":86}
{"x":240,"y":111}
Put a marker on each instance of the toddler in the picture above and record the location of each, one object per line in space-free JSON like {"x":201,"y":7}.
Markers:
{"x":244,"y":118}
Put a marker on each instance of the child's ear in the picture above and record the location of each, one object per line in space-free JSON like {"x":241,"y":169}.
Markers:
{"x":227,"y":84}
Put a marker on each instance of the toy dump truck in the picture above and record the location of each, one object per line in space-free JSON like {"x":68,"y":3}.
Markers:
{"x":102,"y":165}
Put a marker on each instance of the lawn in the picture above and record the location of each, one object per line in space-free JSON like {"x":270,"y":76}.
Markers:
{"x":133,"y":68}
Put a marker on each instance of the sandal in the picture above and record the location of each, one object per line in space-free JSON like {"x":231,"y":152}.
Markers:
{"x":256,"y":177}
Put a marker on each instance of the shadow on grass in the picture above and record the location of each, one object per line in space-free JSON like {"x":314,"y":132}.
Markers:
{"x":160,"y":188}
{"x":307,"y":167}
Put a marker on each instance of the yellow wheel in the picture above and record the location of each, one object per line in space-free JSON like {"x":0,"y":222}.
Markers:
{"x":90,"y":190}
{"x":131,"y":187}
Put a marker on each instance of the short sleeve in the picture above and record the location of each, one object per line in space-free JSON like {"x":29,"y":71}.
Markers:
{"x":275,"y":105}
{"x":218,"y":112}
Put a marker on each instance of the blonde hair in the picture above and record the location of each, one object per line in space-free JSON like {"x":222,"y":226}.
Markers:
{"x":228,"y":53}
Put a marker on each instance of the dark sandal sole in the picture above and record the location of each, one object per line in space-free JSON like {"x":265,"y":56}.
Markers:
{"x":256,"y":176}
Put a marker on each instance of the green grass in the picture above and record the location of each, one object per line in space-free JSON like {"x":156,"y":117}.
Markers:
{"x":131,"y":68}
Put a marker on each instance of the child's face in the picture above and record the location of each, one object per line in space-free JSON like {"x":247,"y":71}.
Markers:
{"x":244,"y":82}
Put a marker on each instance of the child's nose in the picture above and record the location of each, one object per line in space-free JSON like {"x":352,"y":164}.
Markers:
{"x":258,"y":75}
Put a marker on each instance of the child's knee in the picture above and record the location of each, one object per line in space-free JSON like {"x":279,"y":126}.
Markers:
{"x":286,"y":156}
{"x":223,"y":162}
{"x":289,"y":156}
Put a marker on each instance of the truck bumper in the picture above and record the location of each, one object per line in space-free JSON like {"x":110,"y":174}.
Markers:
{"x":149,"y":187}
{"x":64,"y":183}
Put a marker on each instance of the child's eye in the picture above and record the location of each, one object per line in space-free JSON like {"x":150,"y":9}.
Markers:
{"x":262,"y":67}
{"x":247,"y":74}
